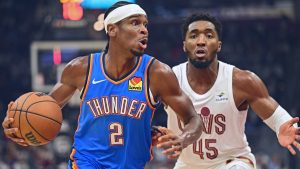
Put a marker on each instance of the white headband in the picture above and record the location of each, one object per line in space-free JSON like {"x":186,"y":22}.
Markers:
{"x":122,"y":12}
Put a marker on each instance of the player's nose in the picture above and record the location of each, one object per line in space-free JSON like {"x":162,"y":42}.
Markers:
{"x":201,"y":41}
{"x":144,"y":30}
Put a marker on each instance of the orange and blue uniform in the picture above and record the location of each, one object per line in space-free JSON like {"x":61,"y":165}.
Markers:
{"x":114,"y":125}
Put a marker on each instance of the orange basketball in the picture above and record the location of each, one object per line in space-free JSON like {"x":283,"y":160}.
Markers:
{"x":38,"y":117}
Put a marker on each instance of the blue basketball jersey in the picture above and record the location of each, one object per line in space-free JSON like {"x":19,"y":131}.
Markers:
{"x":114,"y":125}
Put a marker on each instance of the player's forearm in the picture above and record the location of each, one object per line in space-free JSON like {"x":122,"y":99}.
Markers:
{"x":192,"y":130}
{"x":62,"y":93}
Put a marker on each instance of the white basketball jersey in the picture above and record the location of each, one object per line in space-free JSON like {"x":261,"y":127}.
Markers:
{"x":223,"y":136}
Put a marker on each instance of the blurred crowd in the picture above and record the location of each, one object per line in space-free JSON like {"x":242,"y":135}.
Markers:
{"x":268,"y":47}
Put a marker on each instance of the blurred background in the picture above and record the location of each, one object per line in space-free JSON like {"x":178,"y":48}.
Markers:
{"x":38,"y":37}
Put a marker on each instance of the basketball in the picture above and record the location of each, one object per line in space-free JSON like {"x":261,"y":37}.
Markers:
{"x":38,"y":117}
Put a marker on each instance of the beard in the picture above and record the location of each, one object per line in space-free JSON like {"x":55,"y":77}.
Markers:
{"x":201,"y":64}
{"x":137,"y":53}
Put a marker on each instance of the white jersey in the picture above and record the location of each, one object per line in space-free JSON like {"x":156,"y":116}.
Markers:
{"x":223,"y":137}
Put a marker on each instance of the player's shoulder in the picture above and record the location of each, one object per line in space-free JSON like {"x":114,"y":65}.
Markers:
{"x":82,"y":61}
{"x":243,"y":74}
{"x":77,"y":65}
{"x":244,"y":77}
{"x":78,"y":61}
{"x":159,"y":67}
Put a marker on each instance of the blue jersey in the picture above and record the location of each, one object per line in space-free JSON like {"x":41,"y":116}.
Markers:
{"x":114,"y":125}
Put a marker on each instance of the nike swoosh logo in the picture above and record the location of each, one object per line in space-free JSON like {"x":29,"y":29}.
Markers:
{"x":98,"y":81}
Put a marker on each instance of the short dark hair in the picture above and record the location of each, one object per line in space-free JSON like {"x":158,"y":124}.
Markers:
{"x":201,"y":17}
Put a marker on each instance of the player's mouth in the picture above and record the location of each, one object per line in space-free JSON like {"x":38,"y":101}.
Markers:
{"x":200,"y":53}
{"x":143,"y":43}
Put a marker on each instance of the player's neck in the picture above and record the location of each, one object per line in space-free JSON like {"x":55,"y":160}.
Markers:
{"x":118,"y":63}
{"x":201,"y":80}
{"x":119,"y":53}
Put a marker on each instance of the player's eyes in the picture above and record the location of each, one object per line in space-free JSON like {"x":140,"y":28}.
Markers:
{"x":134,"y":22}
{"x":209,"y":35}
{"x":193,"y":36}
{"x":146,"y":25}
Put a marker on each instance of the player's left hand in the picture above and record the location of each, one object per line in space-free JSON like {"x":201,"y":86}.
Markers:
{"x":171,"y":143}
{"x":289,"y":135}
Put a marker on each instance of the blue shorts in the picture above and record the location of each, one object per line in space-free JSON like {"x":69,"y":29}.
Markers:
{"x":82,"y":164}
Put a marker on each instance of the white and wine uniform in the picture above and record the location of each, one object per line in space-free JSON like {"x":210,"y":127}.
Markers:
{"x":223,"y":141}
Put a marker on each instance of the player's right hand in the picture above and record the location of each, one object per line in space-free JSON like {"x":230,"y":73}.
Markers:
{"x":170,"y":142}
{"x":9,"y":131}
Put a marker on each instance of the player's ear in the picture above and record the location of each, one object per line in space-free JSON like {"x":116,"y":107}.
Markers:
{"x":219,"y":46}
{"x":184,"y":48}
{"x":111,"y":30}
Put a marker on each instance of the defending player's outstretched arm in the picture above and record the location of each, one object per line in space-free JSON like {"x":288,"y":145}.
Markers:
{"x":248,"y":85}
{"x":164,"y":86}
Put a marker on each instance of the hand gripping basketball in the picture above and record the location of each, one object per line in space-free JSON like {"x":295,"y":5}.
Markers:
{"x":37,"y":116}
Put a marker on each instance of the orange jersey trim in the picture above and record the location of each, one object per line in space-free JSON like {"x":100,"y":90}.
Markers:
{"x":146,"y":85}
{"x":79,"y":116}
{"x":148,"y":101}
{"x":151,"y":147}
{"x":74,"y":165}
{"x":89,"y":77}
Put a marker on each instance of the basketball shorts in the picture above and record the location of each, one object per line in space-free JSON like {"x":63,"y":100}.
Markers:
{"x":234,"y":164}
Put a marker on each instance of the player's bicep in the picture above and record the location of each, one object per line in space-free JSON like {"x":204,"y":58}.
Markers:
{"x":65,"y":87}
{"x":72,"y":79}
{"x":258,"y":96}
{"x":166,"y":86}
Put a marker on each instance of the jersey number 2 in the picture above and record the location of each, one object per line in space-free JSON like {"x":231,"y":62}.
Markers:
{"x":116,"y":134}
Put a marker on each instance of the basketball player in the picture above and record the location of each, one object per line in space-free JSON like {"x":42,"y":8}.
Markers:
{"x":222,"y":94}
{"x":120,"y":89}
